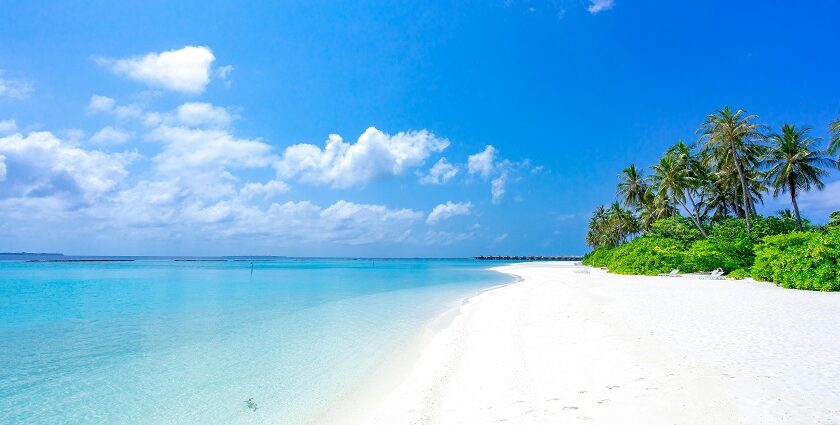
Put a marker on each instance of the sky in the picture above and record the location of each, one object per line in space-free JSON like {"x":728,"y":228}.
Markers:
{"x":375,"y":128}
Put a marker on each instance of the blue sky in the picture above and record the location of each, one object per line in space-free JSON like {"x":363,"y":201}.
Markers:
{"x":202,"y":128}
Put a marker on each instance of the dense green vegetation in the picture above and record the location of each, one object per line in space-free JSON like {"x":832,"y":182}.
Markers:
{"x":696,"y":211}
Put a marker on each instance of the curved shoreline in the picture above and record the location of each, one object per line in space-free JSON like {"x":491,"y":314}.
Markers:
{"x":353,"y":408}
{"x":598,"y":348}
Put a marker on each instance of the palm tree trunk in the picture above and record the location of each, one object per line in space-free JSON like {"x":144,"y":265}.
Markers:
{"x":744,"y":188}
{"x":792,"y":188}
{"x":695,"y":219}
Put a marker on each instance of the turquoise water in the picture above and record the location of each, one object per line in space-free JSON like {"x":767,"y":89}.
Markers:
{"x":162,"y":341}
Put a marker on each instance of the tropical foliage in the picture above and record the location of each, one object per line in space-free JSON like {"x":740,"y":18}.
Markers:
{"x":695,"y":210}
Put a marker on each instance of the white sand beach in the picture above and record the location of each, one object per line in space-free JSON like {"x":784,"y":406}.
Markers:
{"x":565,"y":347}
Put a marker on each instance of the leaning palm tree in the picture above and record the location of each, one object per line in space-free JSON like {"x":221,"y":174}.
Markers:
{"x":794,"y":164}
{"x":729,"y":135}
{"x":671,"y":179}
{"x":631,"y":189}
{"x":834,"y":145}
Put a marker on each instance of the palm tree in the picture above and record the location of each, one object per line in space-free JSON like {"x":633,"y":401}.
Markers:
{"x":793,"y":165}
{"x":672,"y":179}
{"x":622,"y":224}
{"x":632,"y":187}
{"x":597,"y":228}
{"x":834,"y":145}
{"x":654,"y":207}
{"x":611,"y":227}
{"x":730,"y":136}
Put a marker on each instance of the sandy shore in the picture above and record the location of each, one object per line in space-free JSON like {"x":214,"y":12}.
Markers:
{"x":566,"y":347}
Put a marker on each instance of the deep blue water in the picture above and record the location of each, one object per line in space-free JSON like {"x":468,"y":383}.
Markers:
{"x":188,"y":342}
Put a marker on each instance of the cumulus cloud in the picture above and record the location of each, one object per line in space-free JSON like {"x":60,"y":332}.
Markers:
{"x":16,"y":89}
{"x":107,"y":105}
{"x":190,"y":148}
{"x":186,"y":70}
{"x":448,"y":210}
{"x":199,"y":114}
{"x":268,"y":189}
{"x":597,"y":6}
{"x":375,"y":154}
{"x":39,"y":165}
{"x":110,"y":136}
{"x":7,"y":126}
{"x":440,"y":173}
{"x":482,"y":163}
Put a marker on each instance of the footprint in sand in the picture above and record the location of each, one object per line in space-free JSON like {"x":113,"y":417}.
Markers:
{"x":603,"y":401}
{"x":584,"y":418}
{"x":570,"y":408}
{"x":581,"y":392}
{"x":612,"y":386}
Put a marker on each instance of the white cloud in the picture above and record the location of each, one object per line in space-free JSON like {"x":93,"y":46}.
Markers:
{"x":269,"y":189}
{"x":448,"y":210}
{"x":186,"y":70}
{"x":596,"y":6}
{"x":223,"y":72}
{"x":497,"y":188}
{"x":15,"y":89}
{"x":440,"y":173}
{"x":482,"y":163}
{"x":40,"y":165}
{"x":110,"y":136}
{"x":199,"y":114}
{"x":187,"y":149}
{"x":375,"y":154}
{"x":825,"y":200}
{"x":99,"y":103}
{"x":2,"y":168}
{"x":7,"y":126}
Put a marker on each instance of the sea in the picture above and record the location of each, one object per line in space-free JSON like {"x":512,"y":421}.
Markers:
{"x":233,"y":340}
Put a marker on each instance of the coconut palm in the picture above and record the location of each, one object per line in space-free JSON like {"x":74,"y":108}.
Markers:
{"x":834,"y":145}
{"x":595,"y":236}
{"x":794,"y":164}
{"x":654,"y":207}
{"x":622,"y":224}
{"x":672,"y":178}
{"x":631,"y":189}
{"x":729,"y":135}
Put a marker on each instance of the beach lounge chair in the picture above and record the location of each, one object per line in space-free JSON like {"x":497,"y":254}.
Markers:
{"x":716,"y":274}
{"x":674,"y":273}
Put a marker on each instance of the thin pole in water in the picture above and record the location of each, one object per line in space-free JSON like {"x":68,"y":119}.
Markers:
{"x":252,"y":269}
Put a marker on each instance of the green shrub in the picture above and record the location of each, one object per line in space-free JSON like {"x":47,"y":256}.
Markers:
{"x":647,"y":255}
{"x":738,"y":274}
{"x":801,"y":260}
{"x":718,"y":252}
{"x":598,"y":258}
{"x":772,"y":251}
{"x":680,"y":229}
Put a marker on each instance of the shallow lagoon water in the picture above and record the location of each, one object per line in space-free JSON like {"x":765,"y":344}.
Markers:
{"x":163,"y":341}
